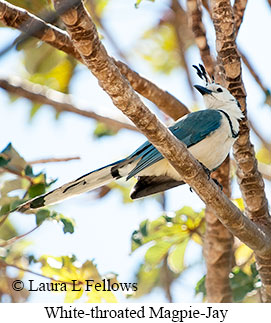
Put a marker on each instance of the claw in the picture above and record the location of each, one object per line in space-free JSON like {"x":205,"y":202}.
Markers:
{"x":207,"y":170}
{"x":218,"y":184}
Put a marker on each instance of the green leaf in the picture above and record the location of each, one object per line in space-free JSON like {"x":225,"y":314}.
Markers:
{"x":144,"y":227}
{"x":36,"y":189}
{"x":156,"y":253}
{"x":68,"y":225}
{"x":34,"y":109}
{"x":241,"y":284}
{"x":4,"y":161}
{"x":42,"y":215}
{"x":267,"y":98}
{"x":15,"y":162}
{"x":40,"y":58}
{"x":100,"y":6}
{"x":176,"y":257}
{"x":254,"y":270}
{"x":147,"y":279}
{"x":34,"y":6}
{"x":103,"y":130}
{"x":200,"y":287}
{"x":29,"y":171}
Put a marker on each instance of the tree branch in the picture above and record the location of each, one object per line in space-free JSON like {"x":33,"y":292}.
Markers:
{"x":22,"y":20}
{"x":59,"y":101}
{"x":249,"y":178}
{"x":5,"y":243}
{"x":52,"y":160}
{"x":239,"y":9}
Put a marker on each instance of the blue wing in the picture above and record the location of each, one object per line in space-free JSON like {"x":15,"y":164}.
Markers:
{"x":190,"y":130}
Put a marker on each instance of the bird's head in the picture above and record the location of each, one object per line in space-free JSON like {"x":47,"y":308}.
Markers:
{"x":216,"y":96}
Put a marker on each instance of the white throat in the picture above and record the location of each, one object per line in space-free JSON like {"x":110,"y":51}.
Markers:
{"x":234,"y":113}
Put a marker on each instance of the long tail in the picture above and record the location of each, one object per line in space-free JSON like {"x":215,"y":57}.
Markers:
{"x":87,"y":182}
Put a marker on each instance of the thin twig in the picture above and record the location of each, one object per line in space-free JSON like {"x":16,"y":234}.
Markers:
{"x":4,"y":264}
{"x":60,"y":101}
{"x":52,"y":160}
{"x":3,"y":219}
{"x":15,"y":172}
{"x":14,"y":239}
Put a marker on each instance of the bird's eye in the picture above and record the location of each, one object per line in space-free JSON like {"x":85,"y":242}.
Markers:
{"x":219,"y":89}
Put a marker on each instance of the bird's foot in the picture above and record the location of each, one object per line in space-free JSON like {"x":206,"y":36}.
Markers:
{"x":218,"y":184}
{"x":207,"y":170}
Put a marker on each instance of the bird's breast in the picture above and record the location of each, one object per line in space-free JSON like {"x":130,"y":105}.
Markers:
{"x":213,"y":150}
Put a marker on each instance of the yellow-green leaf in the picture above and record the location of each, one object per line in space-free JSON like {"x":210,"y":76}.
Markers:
{"x":156,"y":253}
{"x":176,"y":257}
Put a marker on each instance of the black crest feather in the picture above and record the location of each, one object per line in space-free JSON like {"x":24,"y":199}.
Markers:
{"x":201,"y":71}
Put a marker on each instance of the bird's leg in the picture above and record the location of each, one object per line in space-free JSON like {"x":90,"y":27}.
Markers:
{"x":218,"y":184}
{"x":208,"y":172}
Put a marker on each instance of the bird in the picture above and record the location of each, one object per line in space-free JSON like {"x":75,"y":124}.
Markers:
{"x":208,"y":134}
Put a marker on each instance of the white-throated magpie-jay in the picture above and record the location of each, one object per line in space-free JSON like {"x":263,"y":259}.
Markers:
{"x":208,"y":135}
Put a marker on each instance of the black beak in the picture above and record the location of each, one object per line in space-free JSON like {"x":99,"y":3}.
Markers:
{"x":203,"y":90}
